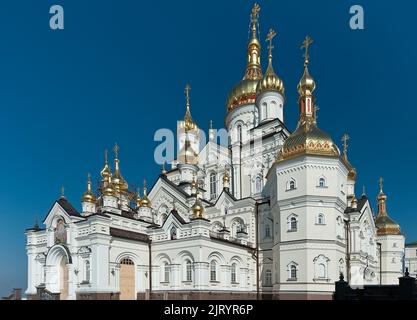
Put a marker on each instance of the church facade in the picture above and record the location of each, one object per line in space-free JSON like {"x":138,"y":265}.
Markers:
{"x":272,"y":214}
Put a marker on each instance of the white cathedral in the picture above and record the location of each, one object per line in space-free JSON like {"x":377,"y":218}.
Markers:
{"x":272,"y":215}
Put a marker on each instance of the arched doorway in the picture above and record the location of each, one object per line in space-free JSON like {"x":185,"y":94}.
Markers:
{"x":63,"y":279}
{"x":127,"y":280}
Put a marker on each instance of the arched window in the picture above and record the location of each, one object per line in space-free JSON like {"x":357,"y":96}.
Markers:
{"x":166,"y":272}
{"x":320,"y":218}
{"x":239,"y":133}
{"x":320,"y":267}
{"x":264,"y":110}
{"x":126,"y":261}
{"x":291,"y":185}
{"x":292,"y":224}
{"x":213,"y":185}
{"x":213,"y":271}
{"x":322,"y":182}
{"x":258,"y":184}
{"x":321,"y":271}
{"x":173,"y":233}
{"x":233,"y":273}
{"x":267,"y":231}
{"x":87,"y":271}
{"x":268,"y":278}
{"x":188,"y":271}
{"x":292,"y":271}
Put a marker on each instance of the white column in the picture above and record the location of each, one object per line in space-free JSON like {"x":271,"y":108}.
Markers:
{"x":100,"y":262}
{"x":225,"y":276}
{"x":31,"y":265}
{"x":72,"y":282}
{"x":201,"y":273}
{"x":175,"y":275}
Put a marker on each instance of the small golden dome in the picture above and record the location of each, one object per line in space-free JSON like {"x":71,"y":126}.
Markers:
{"x":226,"y":178}
{"x":307,"y":85}
{"x":188,"y":124}
{"x":384,"y":224}
{"x":270,"y":82}
{"x":308,"y":139}
{"x":145,"y":202}
{"x":88,"y":195}
{"x":108,"y":191}
{"x":105,"y":172}
{"x":138,"y":199}
{"x":197,"y":208}
{"x":118,"y":182}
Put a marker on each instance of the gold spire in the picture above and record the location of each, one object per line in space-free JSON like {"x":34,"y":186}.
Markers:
{"x":245,"y":91}
{"x":145,"y":201}
{"x":117,"y":180}
{"x":105,"y":172}
{"x":197,"y":208}
{"x":270,"y":82}
{"x":307,"y":138}
{"x":385,"y":225}
{"x":189,"y":123}
{"x":88,"y":195}
{"x":307,"y":85}
{"x":253,"y":68}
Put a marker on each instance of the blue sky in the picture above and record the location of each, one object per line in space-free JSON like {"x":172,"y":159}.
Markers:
{"x":118,"y":70}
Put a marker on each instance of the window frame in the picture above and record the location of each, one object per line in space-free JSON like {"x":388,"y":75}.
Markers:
{"x":213,"y":271}
{"x":213,"y":185}
{"x":233,"y":273}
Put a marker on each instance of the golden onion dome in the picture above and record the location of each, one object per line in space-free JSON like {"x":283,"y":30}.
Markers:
{"x":145,"y":202}
{"x":118,"y":182}
{"x":308,"y":139}
{"x":197,"y":208}
{"x":226,"y":178}
{"x":138,"y":199}
{"x":243,"y":93}
{"x":306,"y":85}
{"x":105,"y":172}
{"x":188,"y":124}
{"x":108,"y":191}
{"x":385,"y":225}
{"x":88,"y":195}
{"x":270,"y":82}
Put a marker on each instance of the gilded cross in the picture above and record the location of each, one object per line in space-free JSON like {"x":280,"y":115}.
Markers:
{"x":345,"y":139}
{"x":255,"y":13}
{"x":316,"y":108}
{"x":271,"y":34}
{"x":116,"y":150}
{"x":105,"y":156}
{"x":306,"y":44}
{"x":381,"y":183}
{"x":187,"y":93}
{"x":62,"y":191}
